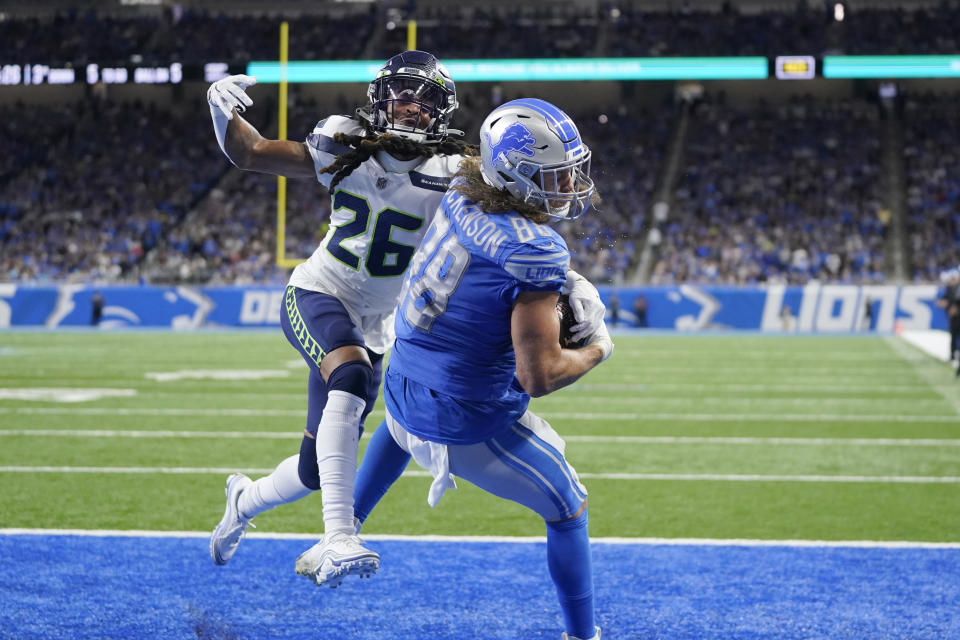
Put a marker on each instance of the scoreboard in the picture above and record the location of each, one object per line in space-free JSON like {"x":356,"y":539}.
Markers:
{"x":782,"y":67}
{"x":795,"y":67}
{"x":93,"y":73}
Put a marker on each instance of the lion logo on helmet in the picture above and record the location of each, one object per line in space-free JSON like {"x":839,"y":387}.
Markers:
{"x":515,"y":138}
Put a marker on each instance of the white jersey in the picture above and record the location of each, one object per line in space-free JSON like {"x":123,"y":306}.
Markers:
{"x":379,"y":214}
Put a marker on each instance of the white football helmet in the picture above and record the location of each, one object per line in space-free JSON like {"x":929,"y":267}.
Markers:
{"x":533,"y":150}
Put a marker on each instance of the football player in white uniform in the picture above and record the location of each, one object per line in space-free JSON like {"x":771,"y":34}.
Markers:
{"x":386,"y":168}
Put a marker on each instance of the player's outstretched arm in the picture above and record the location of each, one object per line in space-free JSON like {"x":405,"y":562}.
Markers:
{"x":242,"y":143}
{"x":542,"y":365}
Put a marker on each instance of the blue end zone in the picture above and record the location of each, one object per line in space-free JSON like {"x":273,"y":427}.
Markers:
{"x":116,"y":587}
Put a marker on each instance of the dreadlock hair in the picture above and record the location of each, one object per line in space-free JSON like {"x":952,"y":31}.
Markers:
{"x":470,"y":183}
{"x":364,"y":146}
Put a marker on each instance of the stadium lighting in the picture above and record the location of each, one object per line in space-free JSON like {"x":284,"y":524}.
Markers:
{"x":839,"y":12}
{"x":540,"y":69}
{"x":891,"y":66}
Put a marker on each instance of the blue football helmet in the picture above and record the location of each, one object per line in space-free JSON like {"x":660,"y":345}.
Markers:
{"x":413,"y":96}
{"x":533,"y":150}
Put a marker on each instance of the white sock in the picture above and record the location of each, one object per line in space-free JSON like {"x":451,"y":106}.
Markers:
{"x":337,"y":439}
{"x":280,"y":487}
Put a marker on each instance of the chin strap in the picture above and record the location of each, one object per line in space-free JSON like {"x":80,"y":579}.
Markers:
{"x":366,"y":115}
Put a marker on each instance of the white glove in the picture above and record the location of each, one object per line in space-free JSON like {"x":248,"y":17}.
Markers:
{"x":588,"y":308}
{"x":224,"y":96}
{"x":601,"y":338}
{"x":230,"y":93}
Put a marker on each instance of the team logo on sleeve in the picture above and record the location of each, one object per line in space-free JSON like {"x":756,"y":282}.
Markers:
{"x":516,"y":138}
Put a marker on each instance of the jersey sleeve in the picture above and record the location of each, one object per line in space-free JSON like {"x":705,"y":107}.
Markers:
{"x":538,"y":265}
{"x":323,"y":149}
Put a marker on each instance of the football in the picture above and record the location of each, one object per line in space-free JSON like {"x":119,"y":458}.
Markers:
{"x":565,"y":315}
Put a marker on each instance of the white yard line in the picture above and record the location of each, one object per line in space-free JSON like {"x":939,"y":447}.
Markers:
{"x":708,"y":477}
{"x":779,"y":357}
{"x":681,"y":440}
{"x":712,"y":542}
{"x":628,"y":402}
{"x":715,"y":477}
{"x":151,"y":411}
{"x":160,"y":434}
{"x":776,"y":418}
{"x":157,"y":470}
{"x":856,"y":442}
{"x":759,"y":388}
{"x":227,"y":387}
{"x":83,"y":394}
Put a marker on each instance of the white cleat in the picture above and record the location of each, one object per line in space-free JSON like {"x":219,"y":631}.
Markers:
{"x":567,"y":637}
{"x":228,"y":534}
{"x":336,"y":556}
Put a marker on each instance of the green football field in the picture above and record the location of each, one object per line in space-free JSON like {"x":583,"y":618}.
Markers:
{"x":753,"y":437}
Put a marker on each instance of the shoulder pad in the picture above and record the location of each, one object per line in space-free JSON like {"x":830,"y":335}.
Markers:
{"x":443,"y":166}
{"x":338,"y":124}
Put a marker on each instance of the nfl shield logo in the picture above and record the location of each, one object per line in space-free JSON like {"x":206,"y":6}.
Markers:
{"x":381,"y":182}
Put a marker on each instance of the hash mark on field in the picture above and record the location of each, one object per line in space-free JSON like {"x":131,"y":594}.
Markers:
{"x":216,"y":374}
{"x":550,"y":415}
{"x":709,"y":477}
{"x":63,"y":394}
{"x":682,"y":440}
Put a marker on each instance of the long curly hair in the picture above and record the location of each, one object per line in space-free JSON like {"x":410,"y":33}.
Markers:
{"x":470,"y":184}
{"x":366,"y":145}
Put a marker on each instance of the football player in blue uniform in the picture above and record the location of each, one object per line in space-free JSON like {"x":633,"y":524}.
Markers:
{"x":477,"y":334}
{"x":386,"y":168}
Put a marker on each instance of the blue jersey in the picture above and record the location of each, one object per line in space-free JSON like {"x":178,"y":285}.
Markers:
{"x":452,"y":372}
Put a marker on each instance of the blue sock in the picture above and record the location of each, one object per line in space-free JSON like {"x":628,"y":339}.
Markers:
{"x":383,"y":462}
{"x":568,"y":557}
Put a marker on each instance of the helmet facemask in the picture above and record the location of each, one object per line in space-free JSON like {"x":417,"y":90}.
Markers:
{"x":407,"y":105}
{"x":562,"y":190}
{"x":413,"y":97}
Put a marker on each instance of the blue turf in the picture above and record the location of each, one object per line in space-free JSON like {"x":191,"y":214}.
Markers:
{"x":115,"y":587}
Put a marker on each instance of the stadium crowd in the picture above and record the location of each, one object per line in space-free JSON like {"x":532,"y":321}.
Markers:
{"x":780,"y":192}
{"x":767,"y":193}
{"x":931,"y":154}
{"x":93,"y":194}
{"x":82,"y":36}
{"x":785,"y":192}
{"x":628,"y":144}
{"x":470,"y":30}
